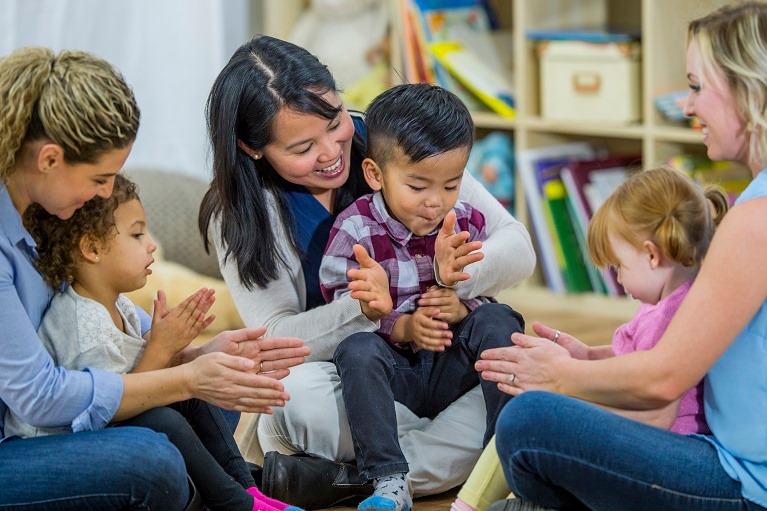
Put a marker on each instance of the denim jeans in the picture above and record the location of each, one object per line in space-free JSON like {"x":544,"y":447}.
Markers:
{"x":564,"y":453}
{"x":374,"y":375}
{"x":211,"y":456}
{"x":116,"y":468}
{"x":232,"y":419}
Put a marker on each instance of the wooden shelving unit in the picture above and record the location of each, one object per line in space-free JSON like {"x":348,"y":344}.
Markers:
{"x":662,"y":24}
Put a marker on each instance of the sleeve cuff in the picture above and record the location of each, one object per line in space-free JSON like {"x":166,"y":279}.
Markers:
{"x":146,"y":320}
{"x":439,"y":280}
{"x":107,"y":394}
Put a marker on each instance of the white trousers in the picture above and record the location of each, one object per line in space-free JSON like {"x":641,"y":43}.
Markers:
{"x":441,"y":452}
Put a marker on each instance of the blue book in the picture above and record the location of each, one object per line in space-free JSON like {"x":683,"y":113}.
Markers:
{"x":589,"y":36}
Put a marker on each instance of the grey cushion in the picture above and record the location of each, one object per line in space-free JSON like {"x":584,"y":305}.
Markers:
{"x":172,"y":203}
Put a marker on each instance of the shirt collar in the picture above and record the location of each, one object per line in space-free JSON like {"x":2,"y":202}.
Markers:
{"x":393,"y":227}
{"x":11,"y":224}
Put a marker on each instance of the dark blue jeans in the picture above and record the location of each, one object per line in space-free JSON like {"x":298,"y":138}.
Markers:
{"x":374,"y":375}
{"x":116,"y":468}
{"x":211,"y":456}
{"x":564,"y":453}
{"x":232,"y":419}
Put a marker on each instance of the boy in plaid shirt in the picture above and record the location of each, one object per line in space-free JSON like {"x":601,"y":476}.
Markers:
{"x":423,"y":354}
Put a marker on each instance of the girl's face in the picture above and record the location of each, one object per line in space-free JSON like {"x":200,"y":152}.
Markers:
{"x":712,"y":102}
{"x":312,"y":151}
{"x":637,"y":274}
{"x":125,"y":259}
{"x":65,"y":187}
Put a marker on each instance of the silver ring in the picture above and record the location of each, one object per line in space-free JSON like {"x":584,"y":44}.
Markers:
{"x":511,"y":378}
{"x":260,"y":367}
{"x":556,"y":336}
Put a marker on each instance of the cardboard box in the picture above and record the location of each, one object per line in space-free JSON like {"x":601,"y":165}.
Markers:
{"x":590,"y":82}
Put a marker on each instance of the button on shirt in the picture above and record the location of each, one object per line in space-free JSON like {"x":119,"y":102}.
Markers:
{"x":407,"y":259}
{"x":30,"y":384}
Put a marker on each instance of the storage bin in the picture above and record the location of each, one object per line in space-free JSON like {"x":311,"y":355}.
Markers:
{"x":590,"y":82}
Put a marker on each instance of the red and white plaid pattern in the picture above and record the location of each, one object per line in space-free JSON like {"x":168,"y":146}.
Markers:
{"x":408,"y":259}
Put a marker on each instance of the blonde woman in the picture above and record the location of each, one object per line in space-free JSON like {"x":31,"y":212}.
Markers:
{"x":67,"y":124}
{"x":565,"y":453}
{"x":655,"y":230}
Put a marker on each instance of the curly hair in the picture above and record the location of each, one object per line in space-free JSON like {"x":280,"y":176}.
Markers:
{"x":58,"y":240}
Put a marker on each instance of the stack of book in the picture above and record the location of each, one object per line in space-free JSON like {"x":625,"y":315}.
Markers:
{"x":448,"y":42}
{"x":564,"y":185}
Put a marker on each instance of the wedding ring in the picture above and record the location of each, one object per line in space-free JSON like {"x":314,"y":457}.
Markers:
{"x":556,"y":336}
{"x":511,"y":378}
{"x":260,"y":367}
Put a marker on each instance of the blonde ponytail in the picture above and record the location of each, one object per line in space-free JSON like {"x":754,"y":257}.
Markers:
{"x":75,"y":99}
{"x":23,"y":74}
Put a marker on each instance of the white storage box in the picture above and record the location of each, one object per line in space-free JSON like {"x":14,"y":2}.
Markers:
{"x":590,"y":82}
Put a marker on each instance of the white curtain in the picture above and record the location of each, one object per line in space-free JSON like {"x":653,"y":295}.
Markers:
{"x":169,"y":51}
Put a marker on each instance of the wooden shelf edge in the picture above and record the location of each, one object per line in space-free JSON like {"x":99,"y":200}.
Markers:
{"x":630,"y":131}
{"x":527,"y":297}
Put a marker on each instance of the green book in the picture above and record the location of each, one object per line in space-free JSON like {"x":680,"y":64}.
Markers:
{"x":569,"y":255}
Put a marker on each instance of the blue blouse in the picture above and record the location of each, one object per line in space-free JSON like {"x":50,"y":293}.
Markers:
{"x":42,"y":394}
{"x":735,"y":395}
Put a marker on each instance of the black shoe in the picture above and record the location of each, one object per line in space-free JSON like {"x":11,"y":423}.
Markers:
{"x":195,"y":501}
{"x":516,"y":505}
{"x":312,"y":483}
{"x":256,"y":471}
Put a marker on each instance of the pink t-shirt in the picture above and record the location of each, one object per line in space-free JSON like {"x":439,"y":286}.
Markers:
{"x":642,"y":333}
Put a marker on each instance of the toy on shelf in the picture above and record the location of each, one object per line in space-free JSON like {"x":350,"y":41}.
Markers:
{"x":492,"y":163}
{"x":351,"y":38}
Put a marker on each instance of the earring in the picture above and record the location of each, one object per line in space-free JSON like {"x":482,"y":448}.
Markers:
{"x":97,"y":258}
{"x":256,"y":156}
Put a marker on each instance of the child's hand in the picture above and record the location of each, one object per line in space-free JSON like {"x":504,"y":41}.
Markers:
{"x":451,"y":309}
{"x":206,"y":296}
{"x":173,"y":329}
{"x":426,"y":331}
{"x":452,"y":253}
{"x":574,"y":347}
{"x":370,"y":285}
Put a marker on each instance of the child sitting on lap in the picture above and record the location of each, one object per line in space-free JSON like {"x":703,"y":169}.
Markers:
{"x":654,"y":230}
{"x":419,"y":139}
{"x":103,"y":251}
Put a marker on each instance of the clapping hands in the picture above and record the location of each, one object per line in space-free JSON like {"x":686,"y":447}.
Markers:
{"x":370,"y":285}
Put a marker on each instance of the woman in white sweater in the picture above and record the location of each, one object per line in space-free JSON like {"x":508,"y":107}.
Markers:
{"x":286,"y":160}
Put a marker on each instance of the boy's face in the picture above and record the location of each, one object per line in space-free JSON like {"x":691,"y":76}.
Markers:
{"x":124,"y":262}
{"x":419,"y":195}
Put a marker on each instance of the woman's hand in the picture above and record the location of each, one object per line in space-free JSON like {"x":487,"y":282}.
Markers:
{"x":533,"y":361}
{"x":370,"y":285}
{"x":273,"y":356}
{"x":451,"y":309}
{"x":232,"y":383}
{"x":452,"y":253}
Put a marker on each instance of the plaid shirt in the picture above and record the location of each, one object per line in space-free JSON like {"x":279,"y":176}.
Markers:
{"x":408,"y":259}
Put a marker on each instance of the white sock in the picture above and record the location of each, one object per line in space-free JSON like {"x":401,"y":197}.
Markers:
{"x":394,"y":487}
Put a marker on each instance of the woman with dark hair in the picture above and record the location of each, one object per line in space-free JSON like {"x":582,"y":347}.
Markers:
{"x":286,"y":159}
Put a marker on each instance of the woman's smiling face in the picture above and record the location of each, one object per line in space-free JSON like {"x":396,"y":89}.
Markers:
{"x":312,"y":151}
{"x":711,"y":100}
